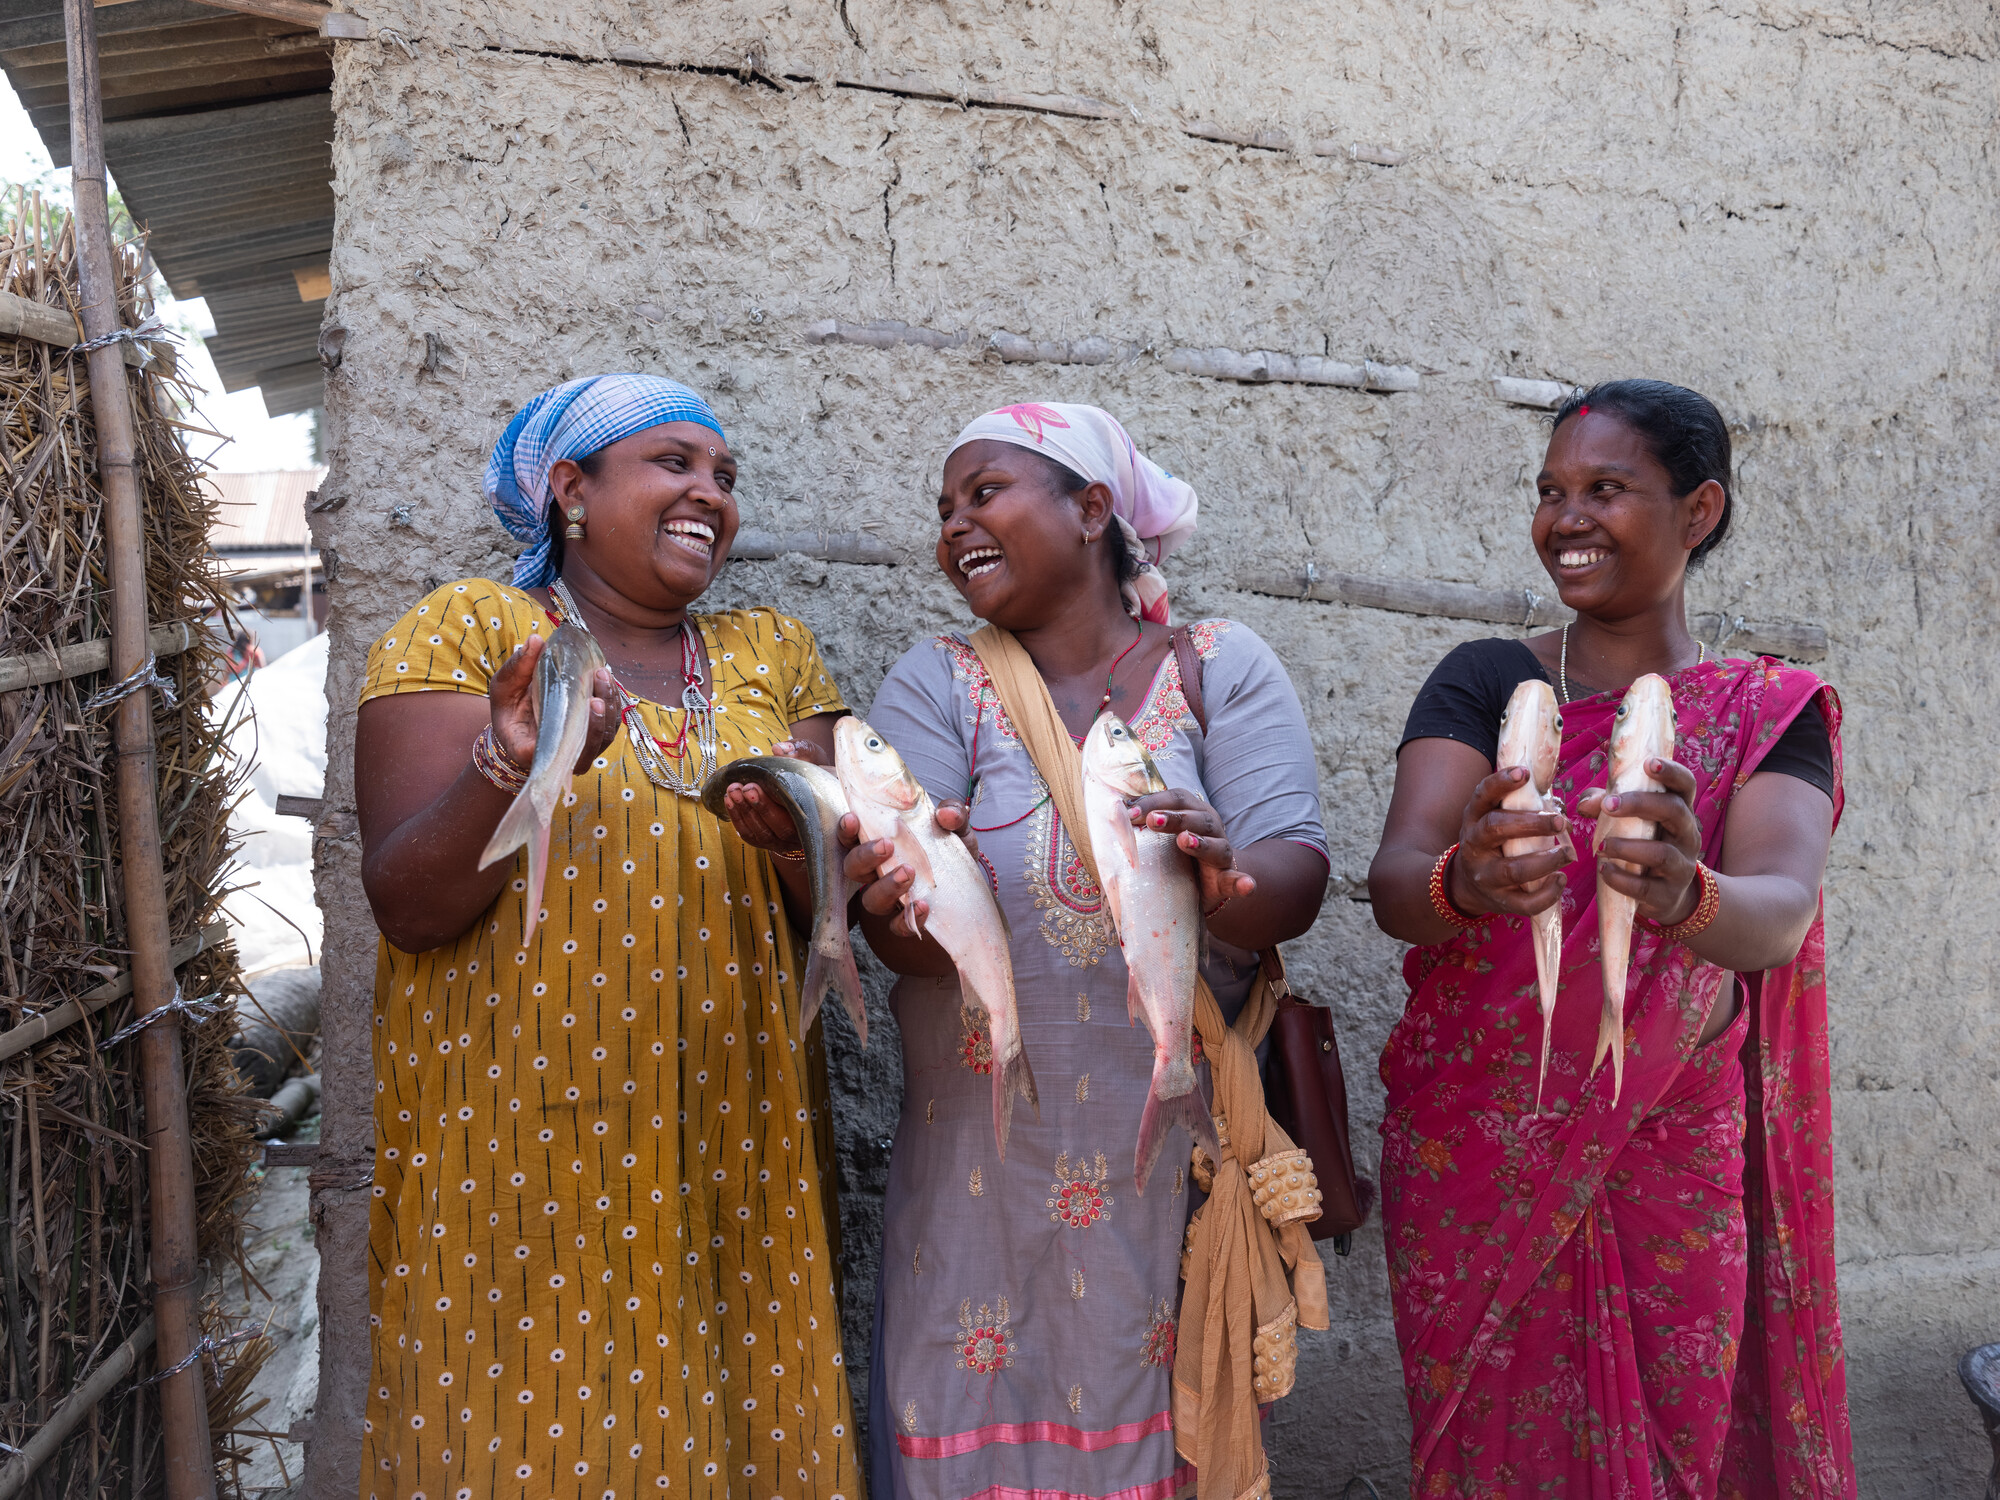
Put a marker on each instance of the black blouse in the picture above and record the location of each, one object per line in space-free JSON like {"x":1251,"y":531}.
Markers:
{"x":1466,"y":695}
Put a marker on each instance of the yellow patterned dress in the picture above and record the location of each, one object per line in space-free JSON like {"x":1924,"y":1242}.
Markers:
{"x":601,"y":1263}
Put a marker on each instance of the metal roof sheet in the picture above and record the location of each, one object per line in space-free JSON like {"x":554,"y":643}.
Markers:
{"x":263,"y":511}
{"x":218,"y":132}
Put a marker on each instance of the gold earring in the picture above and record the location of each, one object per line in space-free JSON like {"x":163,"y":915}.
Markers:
{"x":574,"y":531}
{"x":1088,"y":538}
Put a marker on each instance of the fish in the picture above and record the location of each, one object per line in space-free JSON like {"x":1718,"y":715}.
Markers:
{"x":812,"y":795}
{"x":1643,"y":731}
{"x":1531,"y":736}
{"x":562,"y":700}
{"x":1153,"y":895}
{"x":965,"y":917}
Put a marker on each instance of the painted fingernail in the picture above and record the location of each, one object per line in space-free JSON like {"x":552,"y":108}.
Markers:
{"x":1159,"y":820}
{"x":1194,"y":841}
{"x":1611,"y":804}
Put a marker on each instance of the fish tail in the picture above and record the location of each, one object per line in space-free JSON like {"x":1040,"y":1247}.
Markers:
{"x":517,"y":826}
{"x":1164,"y":1111}
{"x":1011,"y":1076}
{"x":830,"y":966}
{"x":1614,"y":919}
{"x":538,"y":873}
{"x":1548,"y":966}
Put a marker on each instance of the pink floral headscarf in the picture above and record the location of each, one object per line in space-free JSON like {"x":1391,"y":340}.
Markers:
{"x":1156,"y":510}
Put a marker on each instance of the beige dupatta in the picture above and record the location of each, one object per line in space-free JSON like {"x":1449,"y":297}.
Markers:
{"x":1251,"y":1282}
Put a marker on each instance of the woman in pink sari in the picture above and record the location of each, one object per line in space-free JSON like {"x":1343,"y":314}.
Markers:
{"x":1637,"y":1298}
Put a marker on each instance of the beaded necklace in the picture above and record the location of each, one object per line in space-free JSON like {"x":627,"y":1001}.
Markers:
{"x":656,"y":756}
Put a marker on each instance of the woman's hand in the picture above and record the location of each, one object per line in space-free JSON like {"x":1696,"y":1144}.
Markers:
{"x":759,"y":821}
{"x":883,"y":890}
{"x":1664,"y":882}
{"x":512,"y":693}
{"x":1198,"y":832}
{"x":1484,"y":877}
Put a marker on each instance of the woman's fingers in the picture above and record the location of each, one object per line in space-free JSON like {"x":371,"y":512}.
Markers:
{"x":757,"y":819}
{"x":804,"y":750}
{"x":1676,"y":820}
{"x":605,"y":721}
{"x":1210,"y":850}
{"x":863,"y":860}
{"x":1491,"y":792}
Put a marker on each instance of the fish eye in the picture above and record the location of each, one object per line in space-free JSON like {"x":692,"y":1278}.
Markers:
{"x":873,"y":743}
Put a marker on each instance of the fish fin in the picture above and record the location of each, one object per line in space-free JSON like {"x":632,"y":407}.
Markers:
{"x":916,"y":922}
{"x":833,"y":971}
{"x":1134,"y":1004}
{"x":1186,"y":1109}
{"x":517,"y":826}
{"x":538,"y":874}
{"x":1011,"y":1076}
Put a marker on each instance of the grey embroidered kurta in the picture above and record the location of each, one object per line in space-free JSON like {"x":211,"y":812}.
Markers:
{"x":1024,"y":1328}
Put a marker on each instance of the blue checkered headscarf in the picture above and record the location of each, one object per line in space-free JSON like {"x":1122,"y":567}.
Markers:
{"x":573,"y":421}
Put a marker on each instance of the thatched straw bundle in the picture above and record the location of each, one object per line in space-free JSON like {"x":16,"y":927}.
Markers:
{"x":73,"y":1180}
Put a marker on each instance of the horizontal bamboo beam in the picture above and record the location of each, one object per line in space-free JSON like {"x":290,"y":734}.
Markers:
{"x":300,"y":12}
{"x":48,"y":1023}
{"x":63,"y":662}
{"x":825,"y":546}
{"x":48,"y":1439}
{"x":1523,"y":608}
{"x":22,"y":319}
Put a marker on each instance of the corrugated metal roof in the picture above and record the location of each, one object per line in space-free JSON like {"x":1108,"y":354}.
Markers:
{"x":263,"y":512}
{"x":218,"y":132}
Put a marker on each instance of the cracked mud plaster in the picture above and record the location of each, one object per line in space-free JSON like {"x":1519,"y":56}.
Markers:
{"x":1787,"y":209}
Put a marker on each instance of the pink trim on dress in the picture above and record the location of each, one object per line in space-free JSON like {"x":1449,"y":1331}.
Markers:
{"x":953,"y":1445}
{"x":1176,"y":1483}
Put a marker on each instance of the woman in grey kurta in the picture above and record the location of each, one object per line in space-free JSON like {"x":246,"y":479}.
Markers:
{"x":1025,"y":1323}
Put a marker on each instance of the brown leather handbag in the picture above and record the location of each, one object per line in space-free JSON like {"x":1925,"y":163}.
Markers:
{"x":1304,"y":1089}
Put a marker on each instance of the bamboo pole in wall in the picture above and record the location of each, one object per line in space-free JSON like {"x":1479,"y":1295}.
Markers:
{"x":176,"y":1272}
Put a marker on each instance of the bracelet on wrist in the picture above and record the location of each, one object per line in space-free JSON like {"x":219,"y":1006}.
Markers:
{"x":797,"y":856}
{"x":1441,"y":901}
{"x":495,"y":764}
{"x":1218,"y":906}
{"x":1699,"y":920}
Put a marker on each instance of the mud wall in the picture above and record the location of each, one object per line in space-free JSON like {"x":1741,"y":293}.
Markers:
{"x":1788,"y":208}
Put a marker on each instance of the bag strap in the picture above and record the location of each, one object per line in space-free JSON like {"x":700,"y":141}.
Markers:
{"x":1190,"y":664}
{"x":1025,"y":697}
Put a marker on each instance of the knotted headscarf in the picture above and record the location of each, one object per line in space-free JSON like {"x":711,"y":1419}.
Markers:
{"x":573,"y":420}
{"x":1155,"y":510}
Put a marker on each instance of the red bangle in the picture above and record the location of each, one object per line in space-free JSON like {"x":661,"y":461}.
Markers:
{"x":495,"y":764}
{"x":1441,"y":901}
{"x":1701,"y":917}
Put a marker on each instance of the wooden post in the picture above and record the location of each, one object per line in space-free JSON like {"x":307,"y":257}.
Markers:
{"x":176,"y":1272}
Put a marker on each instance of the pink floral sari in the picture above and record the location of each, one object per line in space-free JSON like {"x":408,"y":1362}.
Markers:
{"x":1630,"y":1301}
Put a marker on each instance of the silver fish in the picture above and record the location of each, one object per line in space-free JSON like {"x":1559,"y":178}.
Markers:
{"x":1643,"y":731}
{"x":1154,"y":897}
{"x":1531,"y":736}
{"x":562,"y":697}
{"x":965,"y":918}
{"x":813,"y":796}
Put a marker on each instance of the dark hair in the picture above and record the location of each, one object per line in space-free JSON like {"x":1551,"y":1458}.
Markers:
{"x":1124,"y":565}
{"x":1682,"y":428}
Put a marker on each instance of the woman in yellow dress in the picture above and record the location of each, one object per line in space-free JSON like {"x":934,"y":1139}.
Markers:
{"x":601,"y":1261}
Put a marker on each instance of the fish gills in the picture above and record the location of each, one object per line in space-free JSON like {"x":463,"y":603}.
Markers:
{"x":966,"y":920}
{"x":1643,"y":731}
{"x":812,"y":796}
{"x":562,"y":698}
{"x":1154,"y":897}
{"x":1531,"y":736}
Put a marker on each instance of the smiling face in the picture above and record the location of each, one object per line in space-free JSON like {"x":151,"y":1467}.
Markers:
{"x":659,"y":509}
{"x":1608,"y":526}
{"x":1012,"y":542}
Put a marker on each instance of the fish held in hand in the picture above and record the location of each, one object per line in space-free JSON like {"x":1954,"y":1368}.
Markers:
{"x":563,"y":676}
{"x":1153,"y":894}
{"x":1531,"y":737}
{"x":1643,"y":731}
{"x":813,"y":797}
{"x":966,"y":920}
